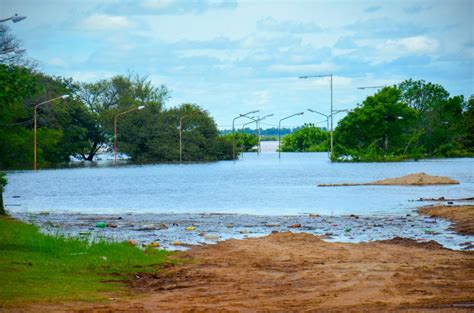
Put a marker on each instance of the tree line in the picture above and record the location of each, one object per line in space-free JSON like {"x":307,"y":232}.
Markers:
{"x":411,"y":120}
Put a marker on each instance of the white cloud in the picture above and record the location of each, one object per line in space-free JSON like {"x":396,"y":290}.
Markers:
{"x":101,"y":22}
{"x":157,"y":4}
{"x":390,"y":50}
{"x":417,"y":44}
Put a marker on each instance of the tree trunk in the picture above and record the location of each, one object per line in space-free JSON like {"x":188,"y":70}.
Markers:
{"x":2,"y":209}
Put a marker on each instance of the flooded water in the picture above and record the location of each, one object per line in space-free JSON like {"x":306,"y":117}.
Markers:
{"x":257,"y":185}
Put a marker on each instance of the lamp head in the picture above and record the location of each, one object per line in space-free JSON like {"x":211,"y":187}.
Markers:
{"x":64,"y":96}
{"x":141,"y":107}
{"x":16,"y":18}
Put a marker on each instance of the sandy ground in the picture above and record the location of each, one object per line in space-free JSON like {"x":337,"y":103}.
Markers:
{"x":461,"y":215}
{"x":289,"y":272}
{"x":417,"y":179}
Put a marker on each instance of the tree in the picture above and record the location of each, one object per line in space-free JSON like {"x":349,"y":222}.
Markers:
{"x":17,"y":84}
{"x":10,"y":48}
{"x":3,"y":183}
{"x":381,"y":127}
{"x":105,"y":98}
{"x":309,"y":138}
{"x":153,"y":135}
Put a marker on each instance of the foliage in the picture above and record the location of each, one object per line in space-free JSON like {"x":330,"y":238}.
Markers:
{"x":244,"y":142}
{"x":39,"y":267}
{"x":153,"y":135}
{"x":412,"y":120}
{"x":309,"y":138}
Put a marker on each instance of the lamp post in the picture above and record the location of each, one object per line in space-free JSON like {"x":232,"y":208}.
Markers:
{"x":115,"y":128}
{"x":14,"y":18}
{"x":35,"y":125}
{"x":279,"y":136}
{"x":327,"y":120}
{"x":181,"y":135}
{"x":233,"y":130}
{"x":257,"y":126}
{"x":331,"y":114}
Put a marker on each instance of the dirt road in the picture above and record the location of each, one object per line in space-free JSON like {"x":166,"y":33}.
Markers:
{"x":299,"y":272}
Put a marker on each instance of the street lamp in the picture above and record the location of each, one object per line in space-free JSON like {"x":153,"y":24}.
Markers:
{"x":257,"y":126}
{"x":34,"y":127}
{"x":233,"y":130}
{"x":331,"y":115}
{"x":327,"y":120}
{"x":14,"y":18}
{"x":181,"y":135}
{"x":371,"y":87}
{"x":115,"y":128}
{"x":279,"y":136}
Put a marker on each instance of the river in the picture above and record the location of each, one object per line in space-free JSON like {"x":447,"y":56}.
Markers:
{"x":255,"y":184}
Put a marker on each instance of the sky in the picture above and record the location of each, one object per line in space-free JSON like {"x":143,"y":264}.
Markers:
{"x":232,"y":57}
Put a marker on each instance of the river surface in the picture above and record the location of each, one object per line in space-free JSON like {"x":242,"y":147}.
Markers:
{"x":255,"y":184}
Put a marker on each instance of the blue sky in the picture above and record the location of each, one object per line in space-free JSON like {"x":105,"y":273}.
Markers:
{"x":231,"y":57}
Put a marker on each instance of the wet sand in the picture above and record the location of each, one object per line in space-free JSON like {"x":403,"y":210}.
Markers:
{"x":289,"y":272}
{"x":417,"y":179}
{"x":461,"y":215}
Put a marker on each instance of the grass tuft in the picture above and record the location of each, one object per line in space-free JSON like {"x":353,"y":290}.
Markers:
{"x":37,"y":267}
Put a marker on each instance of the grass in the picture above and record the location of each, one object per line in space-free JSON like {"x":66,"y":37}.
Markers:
{"x":35,"y":267}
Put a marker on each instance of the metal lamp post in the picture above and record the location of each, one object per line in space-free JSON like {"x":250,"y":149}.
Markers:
{"x":331,"y":114}
{"x":279,"y":135}
{"x":181,"y":135}
{"x":115,"y":128}
{"x":14,"y":18}
{"x":327,"y":120}
{"x":257,"y":126}
{"x":233,"y":130}
{"x":35,"y":125}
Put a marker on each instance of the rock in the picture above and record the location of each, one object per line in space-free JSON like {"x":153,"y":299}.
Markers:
{"x":154,"y":244}
{"x":132,"y":242}
{"x":313,"y":215}
{"x":148,"y":227}
{"x":295,"y":226}
{"x":176,"y":243}
{"x":211,"y":237}
{"x":272,"y":224}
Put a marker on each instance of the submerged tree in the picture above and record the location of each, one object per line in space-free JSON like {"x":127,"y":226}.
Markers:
{"x":309,"y":138}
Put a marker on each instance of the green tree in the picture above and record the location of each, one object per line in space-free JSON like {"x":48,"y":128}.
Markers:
{"x":17,"y":84}
{"x":153,"y":135}
{"x":3,"y":183}
{"x":309,"y":138}
{"x":106,"y":98}
{"x":379,"y":129}
{"x":244,"y":142}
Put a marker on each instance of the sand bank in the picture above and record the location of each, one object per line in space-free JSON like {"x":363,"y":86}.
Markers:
{"x":461,"y":215}
{"x":417,"y":179}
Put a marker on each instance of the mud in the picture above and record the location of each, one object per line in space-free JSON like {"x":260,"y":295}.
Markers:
{"x":417,"y":179}
{"x":287,"y":272}
{"x":462,"y":216}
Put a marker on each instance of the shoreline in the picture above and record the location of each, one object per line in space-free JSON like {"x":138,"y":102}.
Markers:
{"x":180,"y":231}
{"x":461,"y":216}
{"x":290,"y":266}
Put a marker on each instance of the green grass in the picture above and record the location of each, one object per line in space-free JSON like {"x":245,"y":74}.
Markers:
{"x":36,"y":267}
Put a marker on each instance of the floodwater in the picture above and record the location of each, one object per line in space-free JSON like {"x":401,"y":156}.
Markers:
{"x":255,"y":184}
{"x":249,"y":197}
